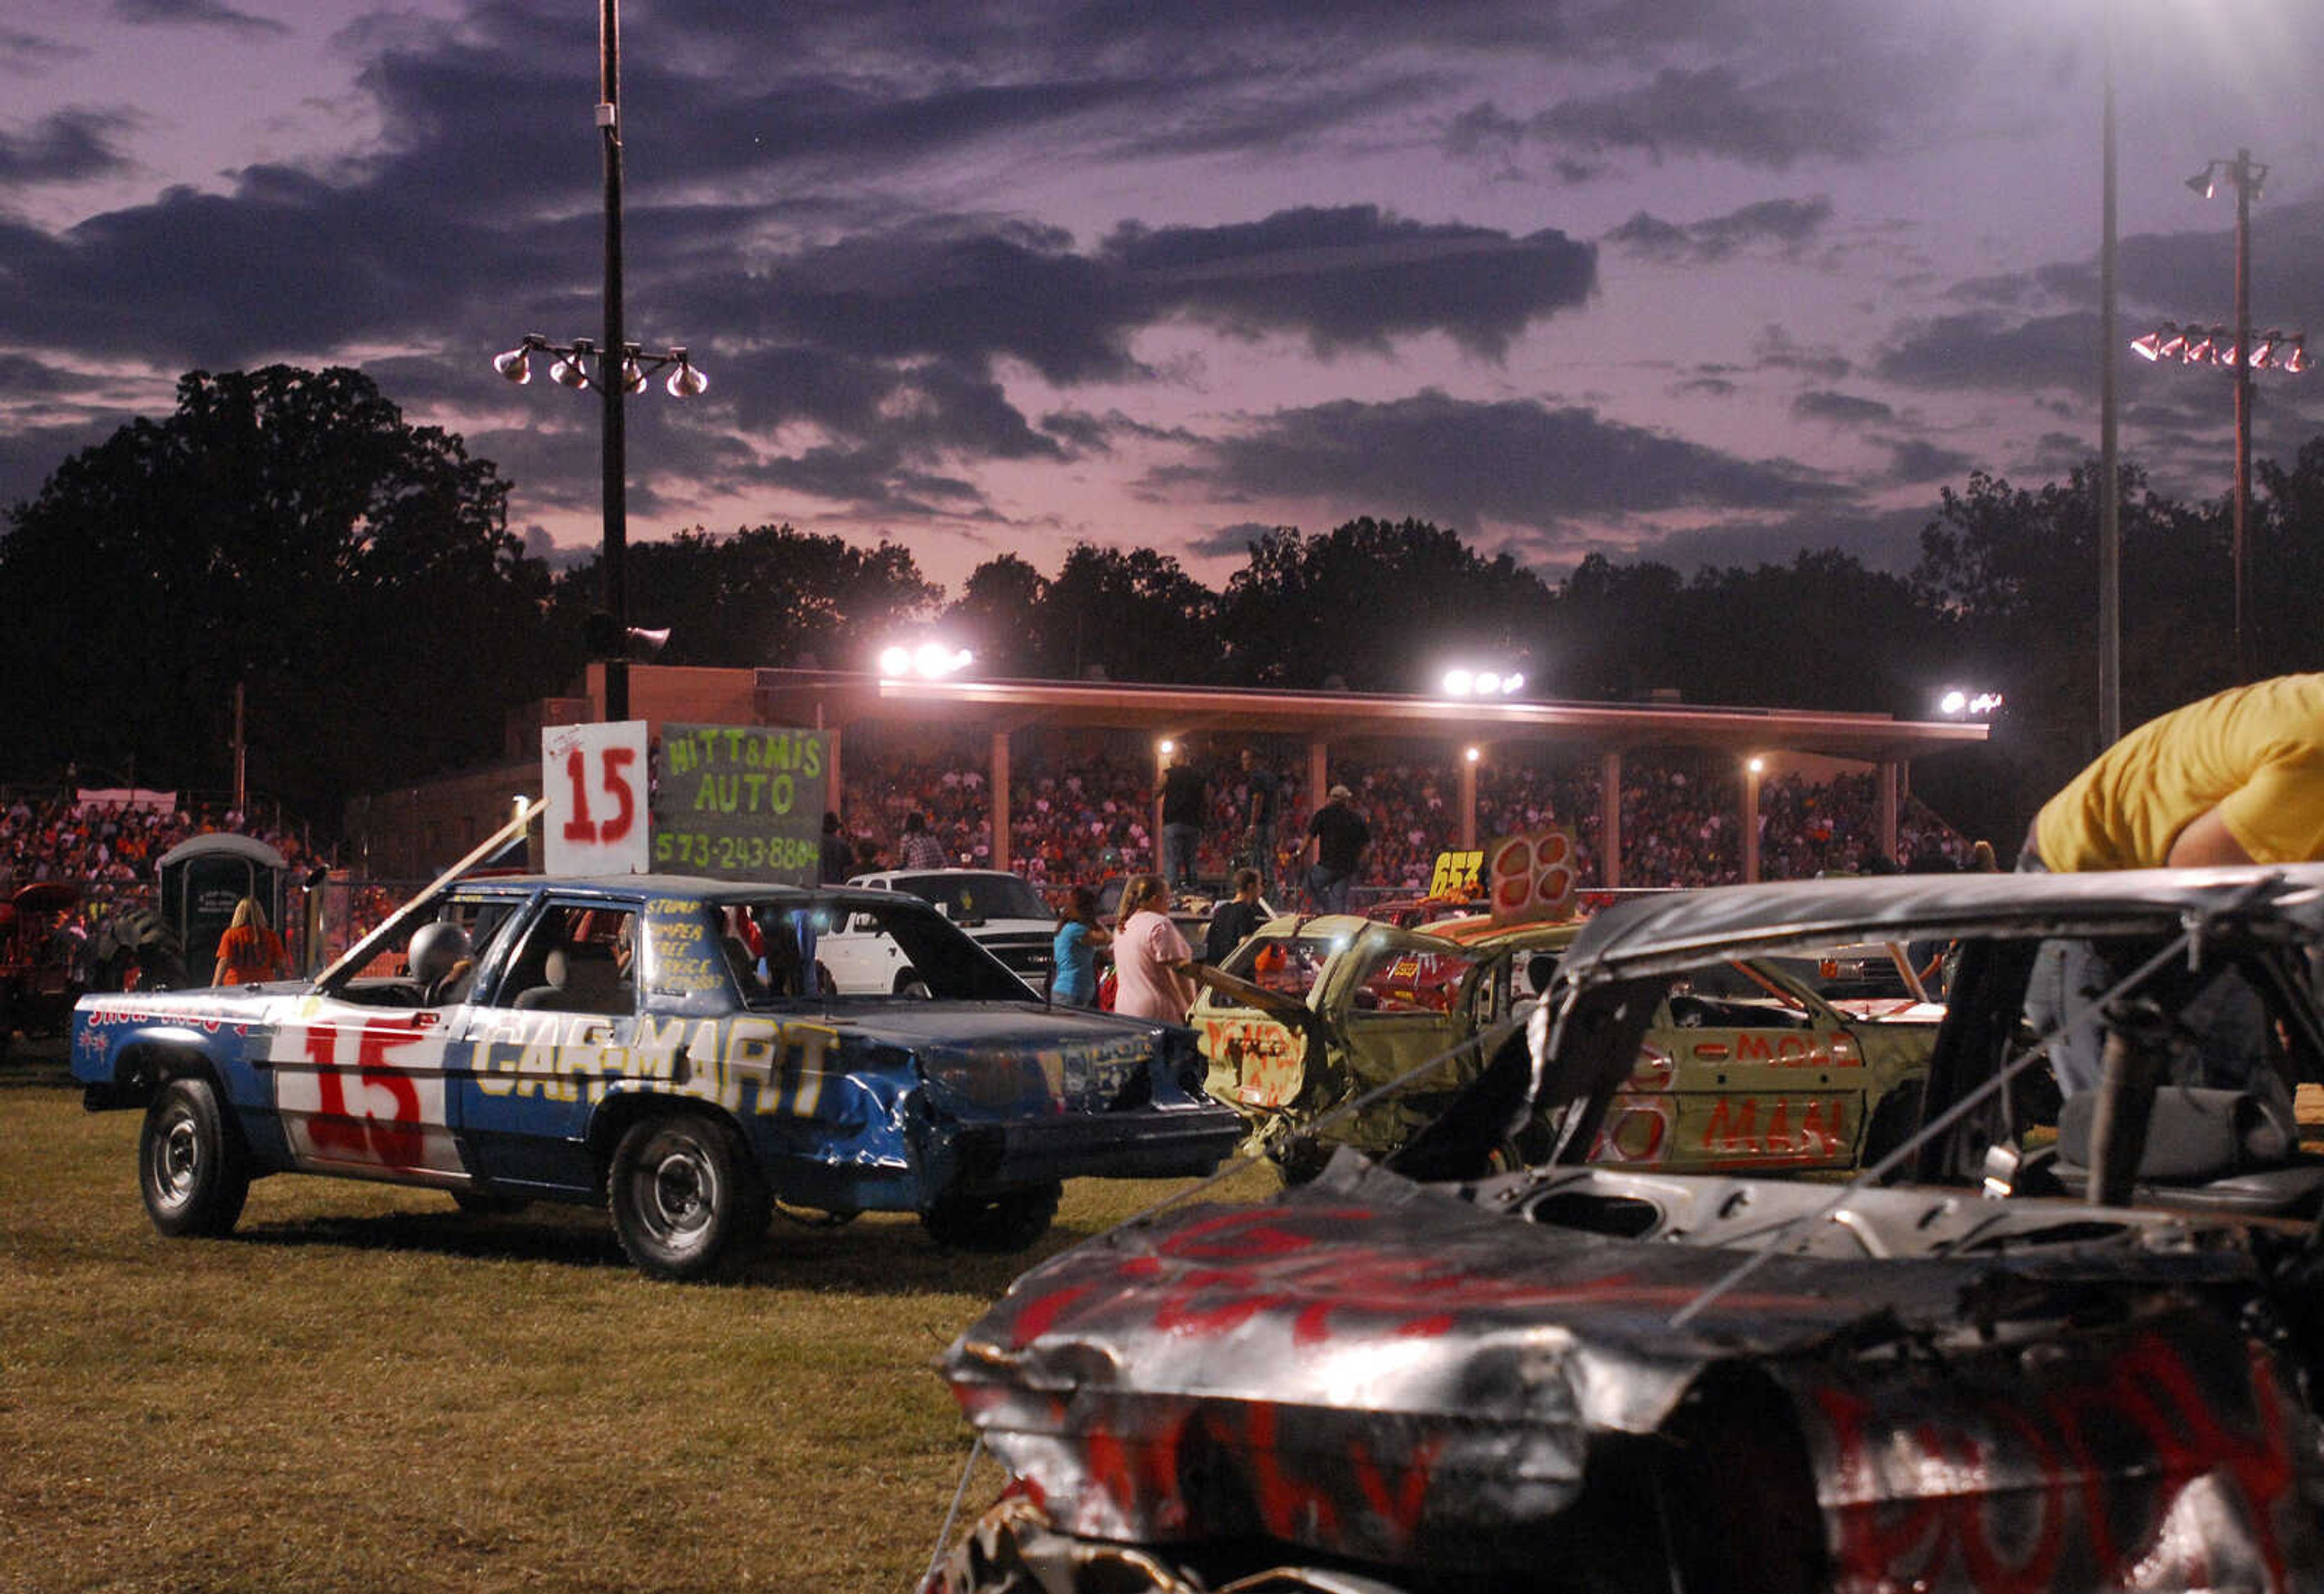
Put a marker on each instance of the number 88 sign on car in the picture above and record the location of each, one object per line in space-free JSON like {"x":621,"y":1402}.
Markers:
{"x":594,"y":777}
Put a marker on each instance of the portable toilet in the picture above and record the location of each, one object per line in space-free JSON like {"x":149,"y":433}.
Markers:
{"x":204,"y":879}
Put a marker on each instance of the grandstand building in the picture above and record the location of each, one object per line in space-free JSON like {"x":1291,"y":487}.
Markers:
{"x":997,"y":726}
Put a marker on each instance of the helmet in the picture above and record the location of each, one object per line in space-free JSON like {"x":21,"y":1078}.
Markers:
{"x":435,"y":950}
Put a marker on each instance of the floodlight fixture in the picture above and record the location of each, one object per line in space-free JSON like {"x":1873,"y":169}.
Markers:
{"x":516,"y":364}
{"x":927,"y":659}
{"x":1461,"y":681}
{"x":1474,"y":755}
{"x":2236,"y":350}
{"x":1964,"y":703}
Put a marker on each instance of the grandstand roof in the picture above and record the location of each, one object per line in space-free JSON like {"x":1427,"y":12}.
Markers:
{"x":840,"y":696}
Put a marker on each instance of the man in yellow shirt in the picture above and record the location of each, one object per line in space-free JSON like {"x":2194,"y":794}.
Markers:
{"x":2236,"y":778}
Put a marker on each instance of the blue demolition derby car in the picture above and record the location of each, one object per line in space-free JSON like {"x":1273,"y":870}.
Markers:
{"x":664,"y":1045}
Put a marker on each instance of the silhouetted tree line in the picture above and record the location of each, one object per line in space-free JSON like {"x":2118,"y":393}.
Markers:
{"x":289,"y":530}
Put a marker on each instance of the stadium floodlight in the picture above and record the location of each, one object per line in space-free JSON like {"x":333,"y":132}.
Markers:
{"x":2235,"y":349}
{"x":516,"y":365}
{"x":929,"y":660}
{"x":1464,"y":681}
{"x":612,"y":368}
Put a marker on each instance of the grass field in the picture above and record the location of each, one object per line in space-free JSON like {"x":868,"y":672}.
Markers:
{"x":364,"y":1389}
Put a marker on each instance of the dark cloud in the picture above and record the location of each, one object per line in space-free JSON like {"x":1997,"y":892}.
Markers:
{"x":1787,"y":223}
{"x":68,"y":147}
{"x":201,"y":13}
{"x":1356,"y":277}
{"x":1887,"y":541}
{"x":1776,"y":349}
{"x":1461,"y":463}
{"x":1986,"y":348}
{"x":1841,"y":409}
{"x":1231,"y":542}
{"x":1913,"y":461}
{"x":1709,"y":113}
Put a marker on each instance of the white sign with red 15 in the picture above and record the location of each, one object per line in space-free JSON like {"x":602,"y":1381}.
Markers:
{"x":595,"y":779}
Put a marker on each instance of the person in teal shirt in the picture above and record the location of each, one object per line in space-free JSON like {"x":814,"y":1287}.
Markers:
{"x":1072,"y":975}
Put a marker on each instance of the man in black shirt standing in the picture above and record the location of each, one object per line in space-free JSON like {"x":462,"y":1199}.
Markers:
{"x":1233,"y":918}
{"x":834,"y":859}
{"x":1182,"y":822}
{"x":1266,"y":791}
{"x":1336,"y":839}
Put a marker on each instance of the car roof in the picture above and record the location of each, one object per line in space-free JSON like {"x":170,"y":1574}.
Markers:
{"x":697,"y":887}
{"x":1475,"y":931}
{"x":1639,"y":935}
{"x":943,"y":873}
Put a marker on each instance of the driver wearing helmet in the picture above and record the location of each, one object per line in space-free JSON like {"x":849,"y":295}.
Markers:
{"x":442,"y":962}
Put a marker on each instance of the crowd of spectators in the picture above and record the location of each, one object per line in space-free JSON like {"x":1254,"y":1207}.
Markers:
{"x":1077,"y":817}
{"x":1080,"y":813}
{"x":105,"y":844}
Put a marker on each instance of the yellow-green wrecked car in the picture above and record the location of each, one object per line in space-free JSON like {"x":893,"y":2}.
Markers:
{"x":1744,"y":1067}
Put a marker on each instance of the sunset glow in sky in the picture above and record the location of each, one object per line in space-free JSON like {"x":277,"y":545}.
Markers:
{"x":1698,"y":279}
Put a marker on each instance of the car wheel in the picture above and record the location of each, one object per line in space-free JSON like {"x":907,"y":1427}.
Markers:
{"x":684,"y":1196}
{"x":994,"y":1224}
{"x":1894,"y":1121}
{"x":190,"y":1168}
{"x":913,"y":986}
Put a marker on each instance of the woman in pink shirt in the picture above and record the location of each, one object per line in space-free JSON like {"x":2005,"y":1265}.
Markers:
{"x":1150,"y":957}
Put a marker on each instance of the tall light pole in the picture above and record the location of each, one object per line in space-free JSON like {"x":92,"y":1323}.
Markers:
{"x":2238,"y":348}
{"x":613,"y":433}
{"x":2109,"y":472}
{"x":615,"y":368}
{"x":2247,"y":177}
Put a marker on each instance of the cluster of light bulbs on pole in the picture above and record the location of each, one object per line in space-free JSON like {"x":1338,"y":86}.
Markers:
{"x":2216,"y":346}
{"x":571,"y":366}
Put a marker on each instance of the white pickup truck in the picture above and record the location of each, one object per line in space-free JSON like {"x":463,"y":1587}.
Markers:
{"x":1001,"y":911}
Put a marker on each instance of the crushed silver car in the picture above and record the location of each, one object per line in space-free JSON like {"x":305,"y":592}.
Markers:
{"x":2012,"y":1356}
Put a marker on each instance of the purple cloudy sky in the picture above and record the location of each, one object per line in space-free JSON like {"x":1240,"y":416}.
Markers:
{"x":1696,"y":279}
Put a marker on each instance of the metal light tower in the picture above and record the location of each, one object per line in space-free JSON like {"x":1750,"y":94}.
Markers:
{"x":2240,"y":349}
{"x":2109,"y":470}
{"x":2247,"y":177}
{"x":615,"y":368}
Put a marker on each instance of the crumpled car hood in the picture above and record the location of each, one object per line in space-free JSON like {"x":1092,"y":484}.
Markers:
{"x":1371,"y":1368}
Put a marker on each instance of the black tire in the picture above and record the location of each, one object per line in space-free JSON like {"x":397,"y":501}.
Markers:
{"x":191,"y":1168}
{"x":912,"y":985}
{"x":1896,"y":1120}
{"x":996,"y":1225}
{"x":684,"y":1195}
